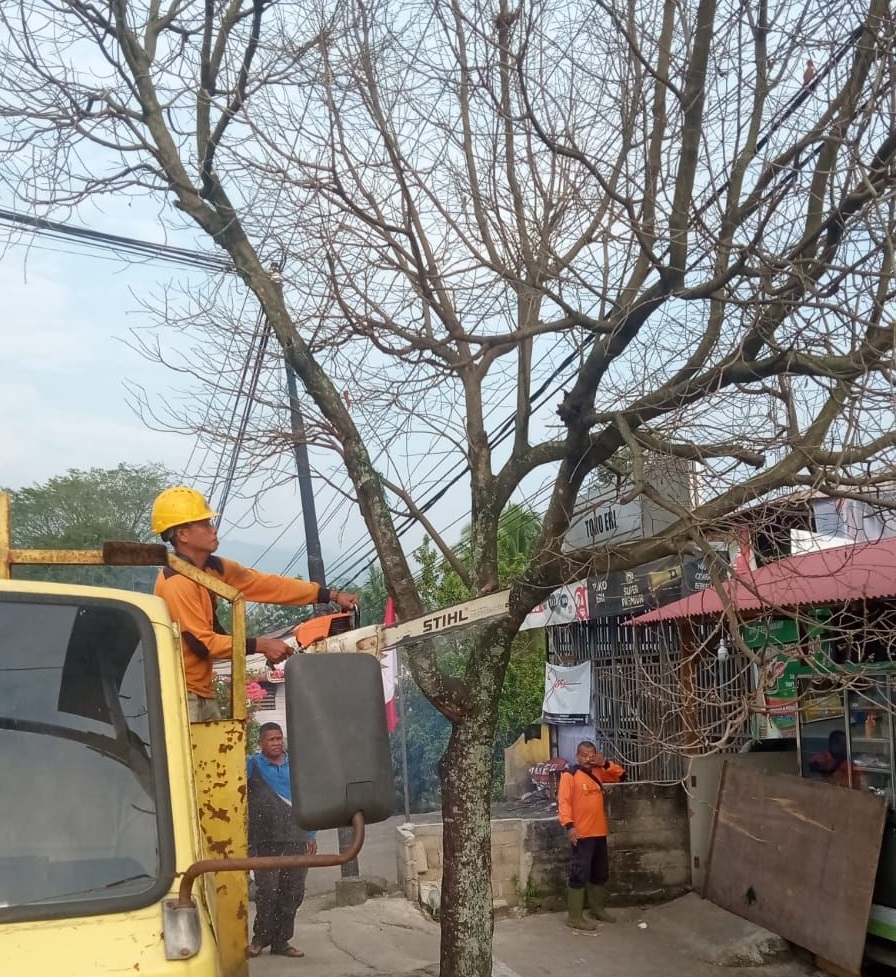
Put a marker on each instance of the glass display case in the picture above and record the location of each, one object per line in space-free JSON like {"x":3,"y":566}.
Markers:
{"x":822,"y":714}
{"x":845,"y":736}
{"x":871,"y":738}
{"x":846,"y":732}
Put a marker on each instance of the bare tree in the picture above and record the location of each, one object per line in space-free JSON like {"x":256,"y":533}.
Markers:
{"x":521,"y":239}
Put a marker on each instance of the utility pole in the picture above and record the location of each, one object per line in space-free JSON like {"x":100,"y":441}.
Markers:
{"x":312,"y":541}
{"x":306,"y":489}
{"x":309,"y":517}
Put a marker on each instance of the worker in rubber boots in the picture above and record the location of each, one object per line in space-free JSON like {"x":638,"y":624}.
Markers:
{"x":181,"y":516}
{"x":580,"y":808}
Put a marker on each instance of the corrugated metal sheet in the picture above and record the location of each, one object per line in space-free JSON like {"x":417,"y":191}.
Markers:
{"x":833,"y":576}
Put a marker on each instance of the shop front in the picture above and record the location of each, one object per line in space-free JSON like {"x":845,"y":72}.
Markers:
{"x":821,"y":631}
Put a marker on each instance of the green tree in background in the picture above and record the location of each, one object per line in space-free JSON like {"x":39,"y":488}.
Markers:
{"x":82,"y":510}
{"x":263,"y":619}
{"x":427,"y":730}
{"x":373,"y":597}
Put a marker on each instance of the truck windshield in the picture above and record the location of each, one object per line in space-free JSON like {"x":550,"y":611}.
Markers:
{"x":81,"y":747}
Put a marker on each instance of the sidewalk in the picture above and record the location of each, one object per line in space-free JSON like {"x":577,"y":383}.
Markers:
{"x":689,"y":937}
{"x":390,"y":937}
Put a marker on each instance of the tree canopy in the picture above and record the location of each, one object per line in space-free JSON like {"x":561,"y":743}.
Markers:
{"x":498,"y":243}
{"x":84,"y":509}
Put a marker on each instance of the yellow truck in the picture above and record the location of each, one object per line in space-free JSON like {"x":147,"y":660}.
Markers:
{"x":123,"y":826}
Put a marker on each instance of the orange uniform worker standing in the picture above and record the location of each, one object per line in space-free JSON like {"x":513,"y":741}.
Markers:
{"x":182,"y":517}
{"x":580,"y":808}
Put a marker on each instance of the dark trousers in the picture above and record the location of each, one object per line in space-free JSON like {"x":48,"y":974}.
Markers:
{"x":589,"y":864}
{"x":278,"y":895}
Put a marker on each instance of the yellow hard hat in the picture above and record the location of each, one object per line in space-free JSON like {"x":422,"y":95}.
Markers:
{"x":178,"y":505}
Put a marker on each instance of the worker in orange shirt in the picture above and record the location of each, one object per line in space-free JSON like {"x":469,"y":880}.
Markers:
{"x":182,"y":517}
{"x":833,"y":764}
{"x":580,"y":808}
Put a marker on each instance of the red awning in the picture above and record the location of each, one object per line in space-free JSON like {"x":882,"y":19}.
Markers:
{"x":834,"y":576}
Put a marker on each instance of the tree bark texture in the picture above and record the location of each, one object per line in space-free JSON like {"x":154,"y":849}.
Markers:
{"x":466,"y":904}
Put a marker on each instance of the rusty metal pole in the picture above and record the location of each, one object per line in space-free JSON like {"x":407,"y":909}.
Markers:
{"x":4,"y":536}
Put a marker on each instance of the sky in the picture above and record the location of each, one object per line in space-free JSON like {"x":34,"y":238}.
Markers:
{"x":65,"y":401}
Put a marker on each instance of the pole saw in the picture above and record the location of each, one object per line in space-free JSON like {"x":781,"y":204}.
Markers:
{"x":338,"y":633}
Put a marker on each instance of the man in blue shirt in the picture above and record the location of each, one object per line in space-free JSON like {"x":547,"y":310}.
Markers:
{"x":272,"y":831}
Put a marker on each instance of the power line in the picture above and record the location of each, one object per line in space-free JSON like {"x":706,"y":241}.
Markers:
{"x":805,"y":91}
{"x":117,"y":243}
{"x":502,"y":433}
{"x":208,"y":407}
{"x":253,"y":362}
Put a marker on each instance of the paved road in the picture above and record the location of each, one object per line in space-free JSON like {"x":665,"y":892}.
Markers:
{"x":377,"y":857}
{"x":390,"y":937}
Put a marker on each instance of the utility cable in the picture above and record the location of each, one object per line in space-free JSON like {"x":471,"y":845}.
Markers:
{"x":117,"y":243}
{"x":504,"y":431}
{"x":262,"y":332}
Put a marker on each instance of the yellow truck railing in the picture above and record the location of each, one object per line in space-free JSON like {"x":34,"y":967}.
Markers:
{"x":219,"y":748}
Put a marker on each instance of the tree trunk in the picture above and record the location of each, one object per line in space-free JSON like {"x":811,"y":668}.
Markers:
{"x":466,"y":906}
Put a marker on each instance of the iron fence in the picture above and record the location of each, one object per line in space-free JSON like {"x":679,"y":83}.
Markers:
{"x":639,"y":692}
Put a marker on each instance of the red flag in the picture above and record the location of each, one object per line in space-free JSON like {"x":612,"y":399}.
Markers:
{"x":390,"y":671}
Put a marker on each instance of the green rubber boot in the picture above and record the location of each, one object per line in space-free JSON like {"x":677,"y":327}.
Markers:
{"x":597,"y":900}
{"x":575,"y":904}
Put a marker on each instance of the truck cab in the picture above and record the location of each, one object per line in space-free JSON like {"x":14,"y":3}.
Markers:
{"x":99,"y":812}
{"x":123,"y":828}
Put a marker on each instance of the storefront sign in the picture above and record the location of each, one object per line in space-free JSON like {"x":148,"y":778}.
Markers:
{"x":623,"y":592}
{"x":778,"y":696}
{"x":603,"y":523}
{"x":632,"y":591}
{"x":695,"y":575}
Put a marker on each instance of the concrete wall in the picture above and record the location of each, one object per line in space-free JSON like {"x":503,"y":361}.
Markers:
{"x":649,"y":855}
{"x":419,"y":854}
{"x":649,"y":849}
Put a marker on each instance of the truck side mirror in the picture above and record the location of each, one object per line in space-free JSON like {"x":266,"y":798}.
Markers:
{"x":339,"y":757}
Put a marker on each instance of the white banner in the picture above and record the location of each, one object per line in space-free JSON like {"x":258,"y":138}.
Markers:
{"x":567,"y":693}
{"x":563,"y":606}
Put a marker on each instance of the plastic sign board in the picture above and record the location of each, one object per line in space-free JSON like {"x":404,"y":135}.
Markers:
{"x":604,"y":522}
{"x":564,"y":606}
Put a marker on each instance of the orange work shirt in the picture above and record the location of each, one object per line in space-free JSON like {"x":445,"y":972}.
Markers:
{"x":580,"y":798}
{"x":836,"y":771}
{"x":193,"y":607}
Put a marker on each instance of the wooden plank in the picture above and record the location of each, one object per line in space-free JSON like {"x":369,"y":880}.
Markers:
{"x":831,"y":968}
{"x":798,"y":857}
{"x":712,"y":829}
